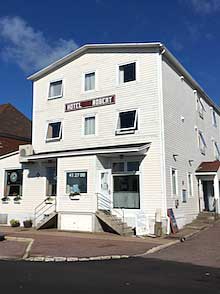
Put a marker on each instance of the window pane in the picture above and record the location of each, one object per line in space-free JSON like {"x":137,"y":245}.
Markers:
{"x":214,"y":118}
{"x":127,"y":119}
{"x":174,"y":181}
{"x":127,"y":72}
{"x":55,"y":89}
{"x":190,"y":184}
{"x":89,"y":81}
{"x":76,"y":182}
{"x":118,"y":167}
{"x":126,"y":192}
{"x":14,"y":179}
{"x":133,"y":166}
{"x":89,"y":125}
{"x":53,"y":130}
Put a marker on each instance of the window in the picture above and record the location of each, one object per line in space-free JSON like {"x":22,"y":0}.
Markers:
{"x":126,"y":191}
{"x":89,"y":81}
{"x":89,"y":125}
{"x":190,"y":184}
{"x":54,"y":131}
{"x":184,"y":196}
{"x":216,"y":151}
{"x":76,"y":182}
{"x":214,"y":118}
{"x":127,"y":122}
{"x":127,"y":73}
{"x":174,"y":181}
{"x":14,"y":179}
{"x":56,"y":89}
{"x":200,"y":107}
{"x":202,"y":143}
{"x":118,"y":167}
{"x":51,"y":175}
{"x":133,"y":166}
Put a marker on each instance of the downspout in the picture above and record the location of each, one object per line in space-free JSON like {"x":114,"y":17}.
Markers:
{"x":162,"y":50}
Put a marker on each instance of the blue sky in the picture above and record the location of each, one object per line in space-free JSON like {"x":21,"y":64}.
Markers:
{"x":35,"y":33}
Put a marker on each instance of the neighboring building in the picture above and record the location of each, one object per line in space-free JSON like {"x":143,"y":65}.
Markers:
{"x":120,"y":128}
{"x":15,"y":129}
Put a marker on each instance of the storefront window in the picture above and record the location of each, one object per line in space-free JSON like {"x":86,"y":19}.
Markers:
{"x":76,"y":182}
{"x":14,"y":179}
{"x":126,"y":191}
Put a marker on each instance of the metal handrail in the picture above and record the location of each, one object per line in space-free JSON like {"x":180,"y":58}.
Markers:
{"x":103,"y":200}
{"x":39,"y":210}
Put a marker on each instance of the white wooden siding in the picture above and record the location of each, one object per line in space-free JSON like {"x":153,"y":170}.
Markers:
{"x":181,"y":138}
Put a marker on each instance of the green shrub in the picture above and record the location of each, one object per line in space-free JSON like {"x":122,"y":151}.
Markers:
{"x":14,"y":223}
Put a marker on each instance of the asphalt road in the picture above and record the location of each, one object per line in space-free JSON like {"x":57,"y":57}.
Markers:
{"x":136,"y":275}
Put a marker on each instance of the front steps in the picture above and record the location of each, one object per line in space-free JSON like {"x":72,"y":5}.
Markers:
{"x":48,"y":221}
{"x":203,"y":220}
{"x":114,"y":223}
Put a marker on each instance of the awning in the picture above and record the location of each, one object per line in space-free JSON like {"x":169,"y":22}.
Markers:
{"x":208,"y":167}
{"x":137,"y":149}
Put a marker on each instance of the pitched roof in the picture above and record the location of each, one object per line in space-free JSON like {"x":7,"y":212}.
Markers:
{"x":208,"y":166}
{"x":13,"y":123}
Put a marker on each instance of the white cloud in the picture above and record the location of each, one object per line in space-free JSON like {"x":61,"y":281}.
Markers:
{"x":27,"y":47}
{"x":205,"y":6}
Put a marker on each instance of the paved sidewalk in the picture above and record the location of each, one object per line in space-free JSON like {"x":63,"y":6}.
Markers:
{"x":12,"y":249}
{"x":202,"y":249}
{"x":68,"y":244}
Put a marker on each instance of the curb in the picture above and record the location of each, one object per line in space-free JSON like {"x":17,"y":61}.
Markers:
{"x":75,"y":259}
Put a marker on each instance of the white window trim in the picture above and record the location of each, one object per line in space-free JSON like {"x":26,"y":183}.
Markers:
{"x":5,"y":170}
{"x":201,"y":108}
{"x":61,"y":131}
{"x":216,"y":150}
{"x":200,"y":136}
{"x":83,"y":81}
{"x":136,"y":71}
{"x":131,"y":130}
{"x":76,"y":171}
{"x":62,"y":89}
{"x":188,"y":184}
{"x":171,"y":182}
{"x":214,"y":120}
{"x":83,"y":125}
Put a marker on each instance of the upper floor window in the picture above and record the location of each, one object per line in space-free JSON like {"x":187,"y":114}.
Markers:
{"x":202,"y":143}
{"x":174,"y":181}
{"x":89,"y":81}
{"x":89,"y":125}
{"x":127,"y":73}
{"x":127,"y":122}
{"x":56,"y":89}
{"x":214,"y":118}
{"x":200,"y":107}
{"x":54,"y":131}
{"x":216,"y":151}
{"x":14,"y":179}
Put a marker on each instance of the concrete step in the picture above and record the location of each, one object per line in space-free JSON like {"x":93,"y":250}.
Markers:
{"x":115,"y":223}
{"x":44,"y":222}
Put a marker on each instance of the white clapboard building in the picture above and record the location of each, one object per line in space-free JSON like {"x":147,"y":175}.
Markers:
{"x":121,"y":133}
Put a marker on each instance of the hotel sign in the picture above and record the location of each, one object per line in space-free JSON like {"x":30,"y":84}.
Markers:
{"x":101,"y":101}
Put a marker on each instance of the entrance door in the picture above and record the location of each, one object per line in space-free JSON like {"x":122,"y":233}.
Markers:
{"x":208,"y":192}
{"x":104,"y":190}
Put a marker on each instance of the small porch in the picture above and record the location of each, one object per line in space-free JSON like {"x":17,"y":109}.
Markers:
{"x":208,"y":175}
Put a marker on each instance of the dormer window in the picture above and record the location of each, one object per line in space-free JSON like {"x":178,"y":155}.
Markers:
{"x":55,"y":89}
{"x":54,"y":131}
{"x":127,"y":122}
